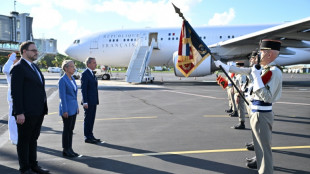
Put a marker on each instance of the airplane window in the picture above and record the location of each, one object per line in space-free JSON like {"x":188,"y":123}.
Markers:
{"x":176,"y":38}
{"x":109,"y":40}
{"x":168,"y":38}
{"x":124,"y":40}
{"x":232,"y":36}
{"x":127,"y":39}
{"x":116,"y":40}
{"x":173,"y":38}
{"x":220,"y":37}
{"x":161,"y":39}
{"x":113,"y":40}
{"x":169,"y":34}
{"x":228,"y":37}
{"x":78,"y":41}
{"x":204,"y":37}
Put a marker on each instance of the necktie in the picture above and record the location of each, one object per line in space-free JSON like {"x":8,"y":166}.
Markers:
{"x":37,"y":72}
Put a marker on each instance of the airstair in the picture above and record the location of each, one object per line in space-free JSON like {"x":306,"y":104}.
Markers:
{"x":139,"y":62}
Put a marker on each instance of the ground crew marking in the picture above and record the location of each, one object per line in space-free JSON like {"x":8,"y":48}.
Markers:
{"x":215,"y":150}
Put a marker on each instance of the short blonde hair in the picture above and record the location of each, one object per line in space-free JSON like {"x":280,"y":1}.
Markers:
{"x":65,"y":64}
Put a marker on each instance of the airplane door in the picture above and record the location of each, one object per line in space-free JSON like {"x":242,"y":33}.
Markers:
{"x":155,"y":36}
{"x":94,"y":44}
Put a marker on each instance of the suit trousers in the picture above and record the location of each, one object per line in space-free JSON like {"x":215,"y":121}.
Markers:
{"x":89,"y":120}
{"x":261,"y":123}
{"x":67,"y":134}
{"x":28,"y":134}
{"x":13,"y":134}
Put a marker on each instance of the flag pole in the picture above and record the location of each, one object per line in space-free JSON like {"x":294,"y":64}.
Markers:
{"x":178,"y":11}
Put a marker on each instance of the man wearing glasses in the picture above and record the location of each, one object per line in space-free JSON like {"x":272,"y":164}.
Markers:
{"x":29,"y":107}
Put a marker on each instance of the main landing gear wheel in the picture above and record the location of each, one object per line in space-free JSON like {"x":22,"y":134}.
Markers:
{"x":106,"y":77}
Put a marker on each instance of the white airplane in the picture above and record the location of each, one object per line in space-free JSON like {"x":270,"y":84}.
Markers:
{"x":227,"y":43}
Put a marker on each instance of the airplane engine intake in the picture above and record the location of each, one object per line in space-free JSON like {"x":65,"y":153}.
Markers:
{"x":202,"y":70}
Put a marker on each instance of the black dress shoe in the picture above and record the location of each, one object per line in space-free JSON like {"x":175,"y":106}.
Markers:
{"x":91,"y":141}
{"x":233,"y":114}
{"x":252,"y":165}
{"x":67,"y":153}
{"x":72,"y":152}
{"x":250,"y":147}
{"x":98,"y":140}
{"x":240,"y":126}
{"x":40,"y":170}
{"x":251,"y":159}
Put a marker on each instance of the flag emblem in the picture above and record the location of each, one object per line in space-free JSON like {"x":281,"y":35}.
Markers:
{"x":192,"y":50}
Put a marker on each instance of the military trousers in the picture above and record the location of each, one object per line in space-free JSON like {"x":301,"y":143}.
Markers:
{"x":261,"y":123}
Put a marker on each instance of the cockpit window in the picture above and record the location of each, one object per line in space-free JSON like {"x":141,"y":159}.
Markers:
{"x":76,"y":41}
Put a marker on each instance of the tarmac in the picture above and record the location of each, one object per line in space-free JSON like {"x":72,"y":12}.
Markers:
{"x":170,"y":126}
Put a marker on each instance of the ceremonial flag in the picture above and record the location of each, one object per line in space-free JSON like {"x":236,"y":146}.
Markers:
{"x":192,"y":50}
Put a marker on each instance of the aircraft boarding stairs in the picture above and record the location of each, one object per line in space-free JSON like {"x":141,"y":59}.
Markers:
{"x":136,"y":72}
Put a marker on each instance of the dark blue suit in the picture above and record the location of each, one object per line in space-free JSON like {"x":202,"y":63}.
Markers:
{"x":29,"y":98}
{"x":89,"y":90}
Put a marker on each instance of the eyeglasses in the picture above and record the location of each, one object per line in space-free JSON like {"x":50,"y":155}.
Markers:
{"x":35,"y":51}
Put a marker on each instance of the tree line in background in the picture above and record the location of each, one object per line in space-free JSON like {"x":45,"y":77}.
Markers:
{"x":46,"y":61}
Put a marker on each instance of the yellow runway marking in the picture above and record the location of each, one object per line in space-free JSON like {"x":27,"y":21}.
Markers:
{"x":52,"y":113}
{"x":124,"y":118}
{"x":216,"y":150}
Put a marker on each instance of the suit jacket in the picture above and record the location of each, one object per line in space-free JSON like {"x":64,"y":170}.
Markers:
{"x":89,"y":85}
{"x":68,"y":96}
{"x":27,"y":90}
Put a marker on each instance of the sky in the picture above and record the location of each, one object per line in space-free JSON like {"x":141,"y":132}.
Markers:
{"x":66,"y":20}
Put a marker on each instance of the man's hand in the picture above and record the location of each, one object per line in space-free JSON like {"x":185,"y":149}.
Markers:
{"x":85,"y":106}
{"x":218,"y":63}
{"x":256,"y":72}
{"x":20,"y":119}
{"x":65,"y":115}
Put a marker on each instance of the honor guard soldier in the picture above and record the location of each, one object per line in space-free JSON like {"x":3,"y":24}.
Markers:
{"x":267,"y":89}
{"x":240,"y":82}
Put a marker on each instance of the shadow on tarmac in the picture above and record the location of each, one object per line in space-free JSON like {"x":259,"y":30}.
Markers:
{"x":122,"y":167}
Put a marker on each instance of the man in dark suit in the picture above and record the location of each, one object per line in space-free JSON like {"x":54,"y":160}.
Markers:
{"x":29,"y":107}
{"x":89,"y":85}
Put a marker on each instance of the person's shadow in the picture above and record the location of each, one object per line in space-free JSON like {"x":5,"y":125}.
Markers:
{"x":123,"y":167}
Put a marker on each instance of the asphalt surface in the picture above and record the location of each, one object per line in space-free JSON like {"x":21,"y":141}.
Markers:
{"x":171,"y":126}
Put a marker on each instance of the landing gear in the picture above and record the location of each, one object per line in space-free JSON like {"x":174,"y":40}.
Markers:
{"x":106,"y":77}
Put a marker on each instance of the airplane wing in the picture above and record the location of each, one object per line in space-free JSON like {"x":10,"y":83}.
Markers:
{"x":292,"y":34}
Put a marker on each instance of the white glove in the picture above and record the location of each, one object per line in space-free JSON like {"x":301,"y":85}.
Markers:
{"x":218,"y":63}
{"x":12,"y":57}
{"x":257,"y":79}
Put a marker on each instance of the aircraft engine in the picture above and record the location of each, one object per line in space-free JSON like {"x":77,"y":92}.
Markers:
{"x":203,"y":69}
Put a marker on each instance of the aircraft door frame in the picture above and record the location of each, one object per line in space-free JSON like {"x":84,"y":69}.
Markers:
{"x":155,"y":36}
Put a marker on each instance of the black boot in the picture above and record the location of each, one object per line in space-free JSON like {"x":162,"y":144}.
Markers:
{"x":229,"y":110}
{"x":252,"y":164}
{"x":240,"y":125}
{"x":233,"y":114}
{"x":250,"y":147}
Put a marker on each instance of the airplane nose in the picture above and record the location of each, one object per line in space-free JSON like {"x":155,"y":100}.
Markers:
{"x":69,"y":51}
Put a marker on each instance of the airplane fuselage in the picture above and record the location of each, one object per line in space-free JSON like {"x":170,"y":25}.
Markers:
{"x":115,"y":48}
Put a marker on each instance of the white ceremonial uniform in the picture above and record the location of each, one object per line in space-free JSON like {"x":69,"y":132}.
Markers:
{"x":12,"y":126}
{"x":230,"y":94}
{"x":240,"y":82}
{"x":262,"y":116}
